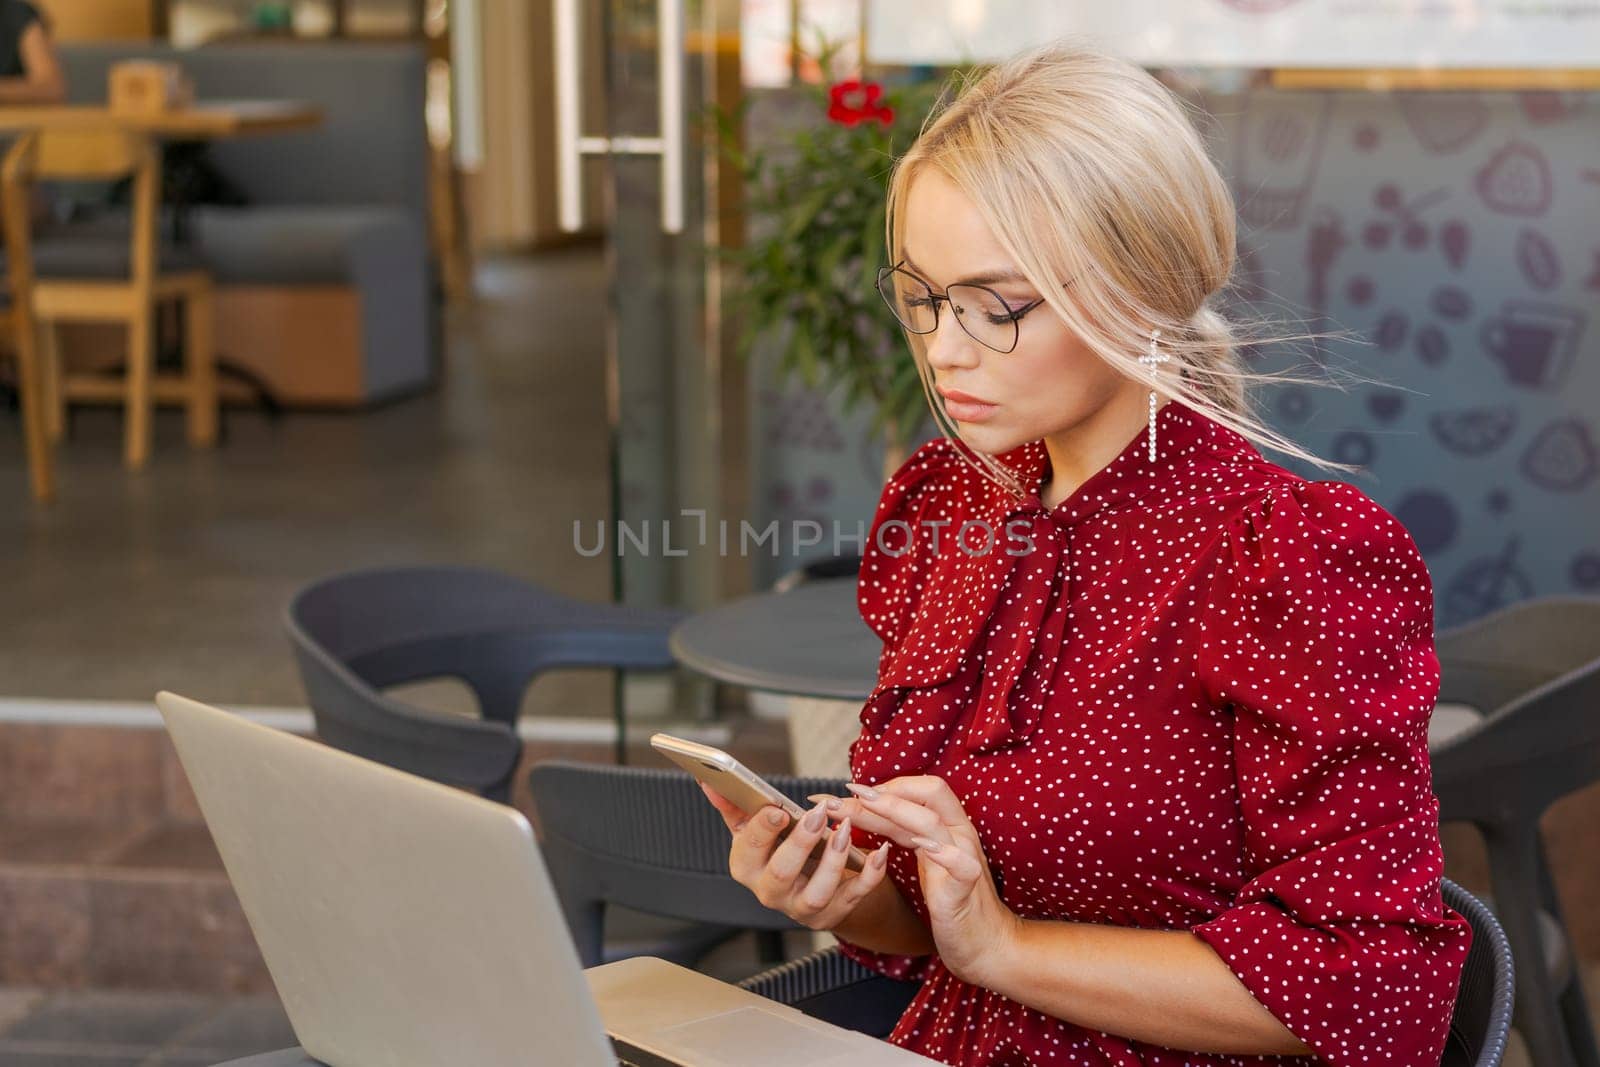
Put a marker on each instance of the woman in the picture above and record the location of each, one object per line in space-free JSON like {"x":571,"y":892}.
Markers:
{"x":30,"y":70}
{"x":1145,"y":772}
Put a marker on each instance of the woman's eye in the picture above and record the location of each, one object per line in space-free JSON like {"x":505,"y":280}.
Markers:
{"x":918,"y":302}
{"x":1007,"y":312}
{"x":995,"y":311}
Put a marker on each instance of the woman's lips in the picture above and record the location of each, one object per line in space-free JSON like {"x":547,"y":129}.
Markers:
{"x":964,"y":407}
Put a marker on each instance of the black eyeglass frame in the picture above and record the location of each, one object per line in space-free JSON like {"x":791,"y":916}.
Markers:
{"x":1014,"y":315}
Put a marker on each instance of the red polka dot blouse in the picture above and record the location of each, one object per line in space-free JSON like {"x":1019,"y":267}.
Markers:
{"x":1192,"y":696}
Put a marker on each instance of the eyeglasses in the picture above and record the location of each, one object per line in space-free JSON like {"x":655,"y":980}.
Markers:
{"x":981,"y":311}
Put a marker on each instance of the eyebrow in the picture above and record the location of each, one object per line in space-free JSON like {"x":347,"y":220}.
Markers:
{"x":985,"y":278}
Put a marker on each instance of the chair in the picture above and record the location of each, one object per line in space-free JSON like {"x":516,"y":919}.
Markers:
{"x":1481,"y":1022}
{"x":819,"y":569}
{"x":356,"y":633}
{"x":1534,"y":669}
{"x":108,"y":276}
{"x":829,"y":985}
{"x":646,"y":839}
{"x":18,"y":320}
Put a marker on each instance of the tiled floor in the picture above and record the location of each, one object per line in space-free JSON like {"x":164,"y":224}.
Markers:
{"x":203,"y":549}
{"x":122,"y":1029}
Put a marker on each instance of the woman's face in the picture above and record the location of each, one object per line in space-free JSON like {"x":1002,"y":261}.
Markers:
{"x":1045,"y":387}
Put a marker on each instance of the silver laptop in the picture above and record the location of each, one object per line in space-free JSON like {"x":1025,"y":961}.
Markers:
{"x":409,"y":924}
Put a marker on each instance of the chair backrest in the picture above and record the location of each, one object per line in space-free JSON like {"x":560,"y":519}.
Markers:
{"x":1533,"y":668}
{"x":842,"y":565}
{"x":94,"y":153}
{"x":327,"y":635}
{"x":1481,"y":1022}
{"x":358,"y":632}
{"x":99,"y":153}
{"x":644,"y":838}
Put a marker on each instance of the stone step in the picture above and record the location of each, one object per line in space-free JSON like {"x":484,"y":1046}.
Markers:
{"x":109,"y":878}
{"x":121,"y":906}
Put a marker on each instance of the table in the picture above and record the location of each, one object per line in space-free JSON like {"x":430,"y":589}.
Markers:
{"x":808,"y":647}
{"x":808,"y":641}
{"x":211,"y":120}
{"x":206,"y":121}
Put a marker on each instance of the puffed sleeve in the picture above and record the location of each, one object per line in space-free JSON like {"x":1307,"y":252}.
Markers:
{"x":895,"y":564}
{"x":895,"y":559}
{"x":1319,"y":636}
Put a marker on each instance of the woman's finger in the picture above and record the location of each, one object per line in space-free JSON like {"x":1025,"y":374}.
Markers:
{"x":954,"y":859}
{"x":753,"y":844}
{"x":931,"y":792}
{"x":907,"y":814}
{"x":731,"y":813}
{"x":788,"y":860}
{"x":823,"y":884}
{"x":864,"y":818}
{"x":855,"y":890}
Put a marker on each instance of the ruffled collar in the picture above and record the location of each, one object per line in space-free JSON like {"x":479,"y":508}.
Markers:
{"x":972,"y":624}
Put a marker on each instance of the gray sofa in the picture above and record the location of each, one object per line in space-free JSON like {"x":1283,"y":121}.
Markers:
{"x":342,"y":204}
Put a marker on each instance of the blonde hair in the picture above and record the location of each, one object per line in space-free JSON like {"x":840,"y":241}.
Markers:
{"x":1087,"y":168}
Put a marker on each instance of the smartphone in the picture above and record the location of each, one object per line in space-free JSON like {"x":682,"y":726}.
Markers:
{"x":745,"y":788}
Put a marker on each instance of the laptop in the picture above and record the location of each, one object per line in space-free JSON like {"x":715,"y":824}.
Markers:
{"x":410,"y":924}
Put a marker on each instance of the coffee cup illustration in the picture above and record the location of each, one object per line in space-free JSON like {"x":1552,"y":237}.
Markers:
{"x":1279,"y":152}
{"x":1534,"y":343}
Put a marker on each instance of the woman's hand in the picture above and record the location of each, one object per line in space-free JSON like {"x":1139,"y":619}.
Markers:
{"x":780,"y":871}
{"x":970,"y":922}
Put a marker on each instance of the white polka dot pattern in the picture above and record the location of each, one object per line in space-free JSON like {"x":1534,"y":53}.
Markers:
{"x":1192,"y":696}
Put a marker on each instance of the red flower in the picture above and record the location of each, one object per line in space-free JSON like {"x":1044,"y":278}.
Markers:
{"x":851,"y":102}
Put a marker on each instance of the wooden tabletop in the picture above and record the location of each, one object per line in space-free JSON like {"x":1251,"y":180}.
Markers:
{"x":207,"y":120}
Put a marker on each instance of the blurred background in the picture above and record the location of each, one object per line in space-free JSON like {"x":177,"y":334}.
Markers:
{"x":486,"y":281}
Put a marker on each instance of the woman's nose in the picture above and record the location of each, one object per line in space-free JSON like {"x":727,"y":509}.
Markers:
{"x":949,"y":346}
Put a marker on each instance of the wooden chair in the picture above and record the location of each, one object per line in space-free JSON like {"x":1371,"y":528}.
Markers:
{"x":16,"y":319}
{"x":110,"y":284}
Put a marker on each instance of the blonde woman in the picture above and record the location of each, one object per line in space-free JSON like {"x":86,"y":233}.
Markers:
{"x":1145,"y":774}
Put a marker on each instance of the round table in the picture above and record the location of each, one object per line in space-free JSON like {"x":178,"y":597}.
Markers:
{"x":807,"y":645}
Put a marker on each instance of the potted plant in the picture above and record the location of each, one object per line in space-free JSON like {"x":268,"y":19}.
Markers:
{"x":805,"y":278}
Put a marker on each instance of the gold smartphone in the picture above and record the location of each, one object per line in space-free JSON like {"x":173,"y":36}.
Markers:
{"x":748,"y":791}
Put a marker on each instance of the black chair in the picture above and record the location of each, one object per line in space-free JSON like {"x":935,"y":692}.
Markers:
{"x":830,"y":986}
{"x":815,"y":570}
{"x":356,"y":633}
{"x":1481,"y":1022}
{"x":1533,"y":668}
{"x":646,"y":839}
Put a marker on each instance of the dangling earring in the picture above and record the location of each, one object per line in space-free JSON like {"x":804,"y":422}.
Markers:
{"x":1153,"y":360}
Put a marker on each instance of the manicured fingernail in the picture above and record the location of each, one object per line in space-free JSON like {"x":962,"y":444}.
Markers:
{"x":880,"y":856}
{"x":776,"y":817}
{"x":829,"y":802}
{"x":865,"y":792}
{"x":814,"y":819}
{"x":841,"y":837}
{"x":925,"y":844}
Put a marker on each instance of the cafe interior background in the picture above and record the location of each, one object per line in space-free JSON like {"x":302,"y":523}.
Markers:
{"x":450,"y":333}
